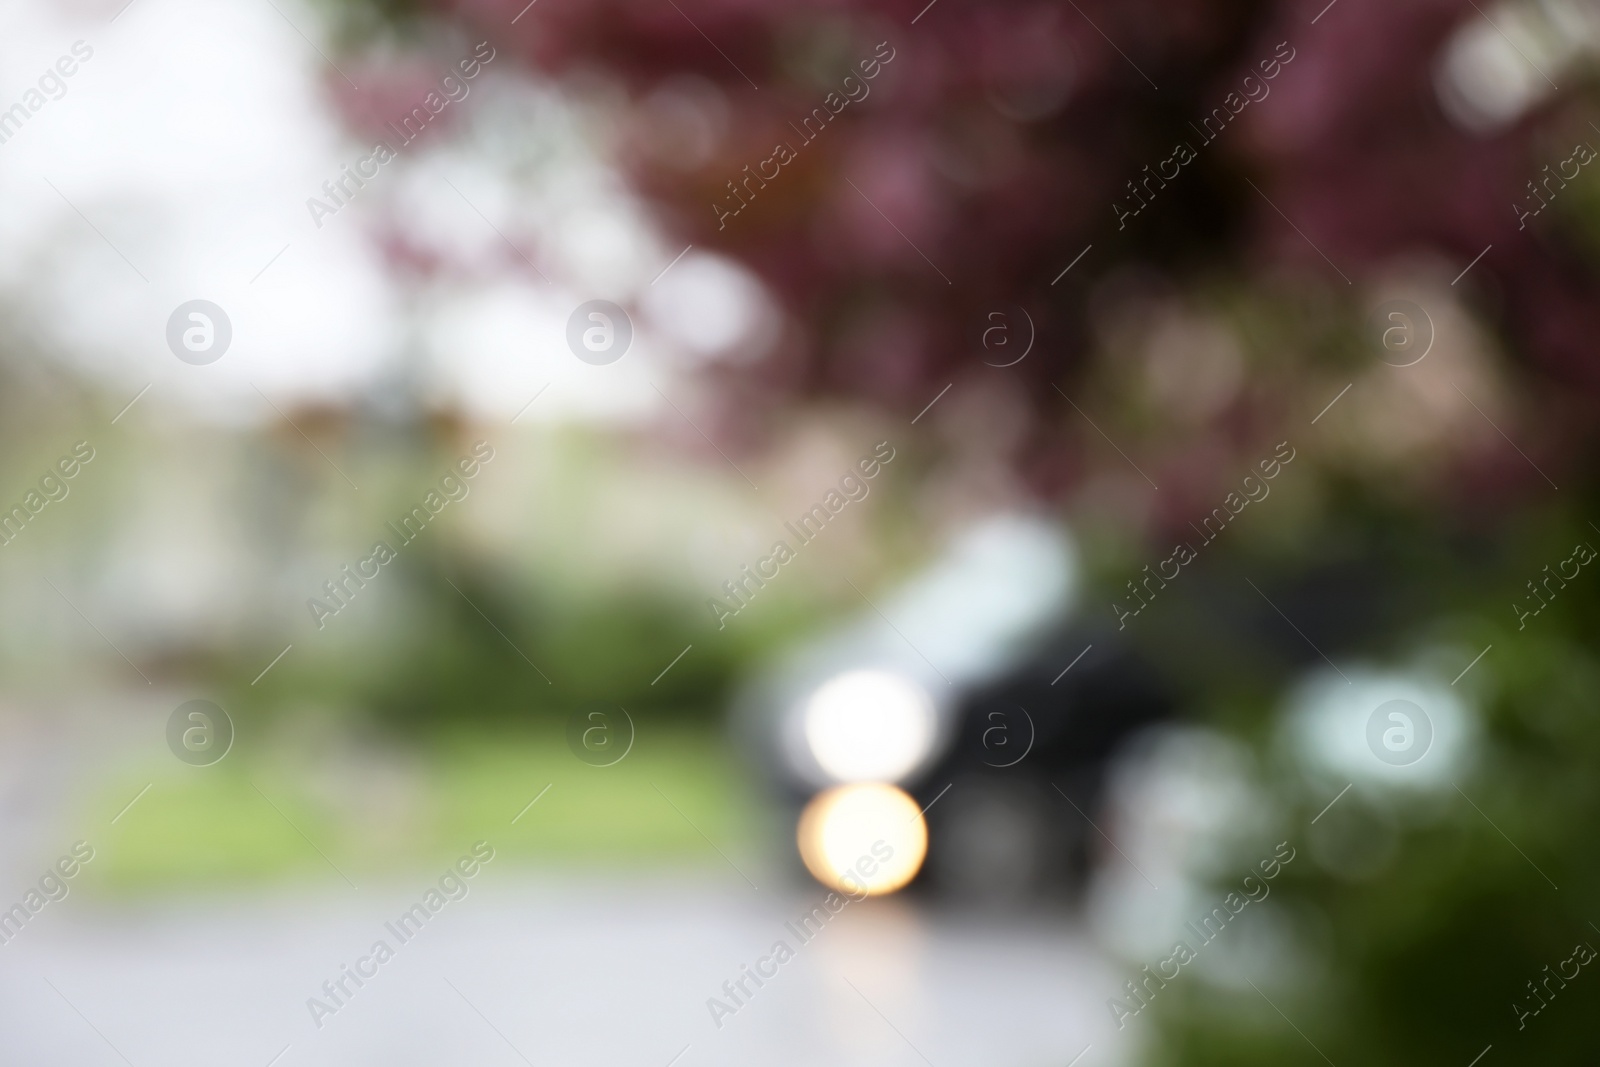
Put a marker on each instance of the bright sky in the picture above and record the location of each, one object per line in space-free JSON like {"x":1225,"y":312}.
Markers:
{"x":177,"y":163}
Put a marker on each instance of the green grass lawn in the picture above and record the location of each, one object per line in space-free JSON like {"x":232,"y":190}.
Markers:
{"x":267,"y":816}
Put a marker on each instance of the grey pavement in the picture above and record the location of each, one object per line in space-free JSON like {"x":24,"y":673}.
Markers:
{"x":597,"y":969}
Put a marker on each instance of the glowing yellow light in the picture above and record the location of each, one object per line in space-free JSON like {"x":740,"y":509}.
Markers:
{"x":863,"y":838}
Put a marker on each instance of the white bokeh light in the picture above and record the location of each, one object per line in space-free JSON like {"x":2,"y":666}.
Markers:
{"x":869,"y":726}
{"x":712,"y":307}
{"x":1327,"y":726}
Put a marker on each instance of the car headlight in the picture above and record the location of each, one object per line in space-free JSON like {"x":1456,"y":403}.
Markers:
{"x":864,"y":840}
{"x":869,"y":726}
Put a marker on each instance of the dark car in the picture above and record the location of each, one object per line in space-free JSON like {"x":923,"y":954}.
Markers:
{"x":968,"y":694}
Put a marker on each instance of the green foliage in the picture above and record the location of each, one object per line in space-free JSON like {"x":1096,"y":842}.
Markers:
{"x":1422,"y":959}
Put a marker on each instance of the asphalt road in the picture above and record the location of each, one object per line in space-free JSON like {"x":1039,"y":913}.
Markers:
{"x":598,"y":970}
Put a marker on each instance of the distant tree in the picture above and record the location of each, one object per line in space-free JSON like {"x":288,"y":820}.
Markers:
{"x":1002,"y":140}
